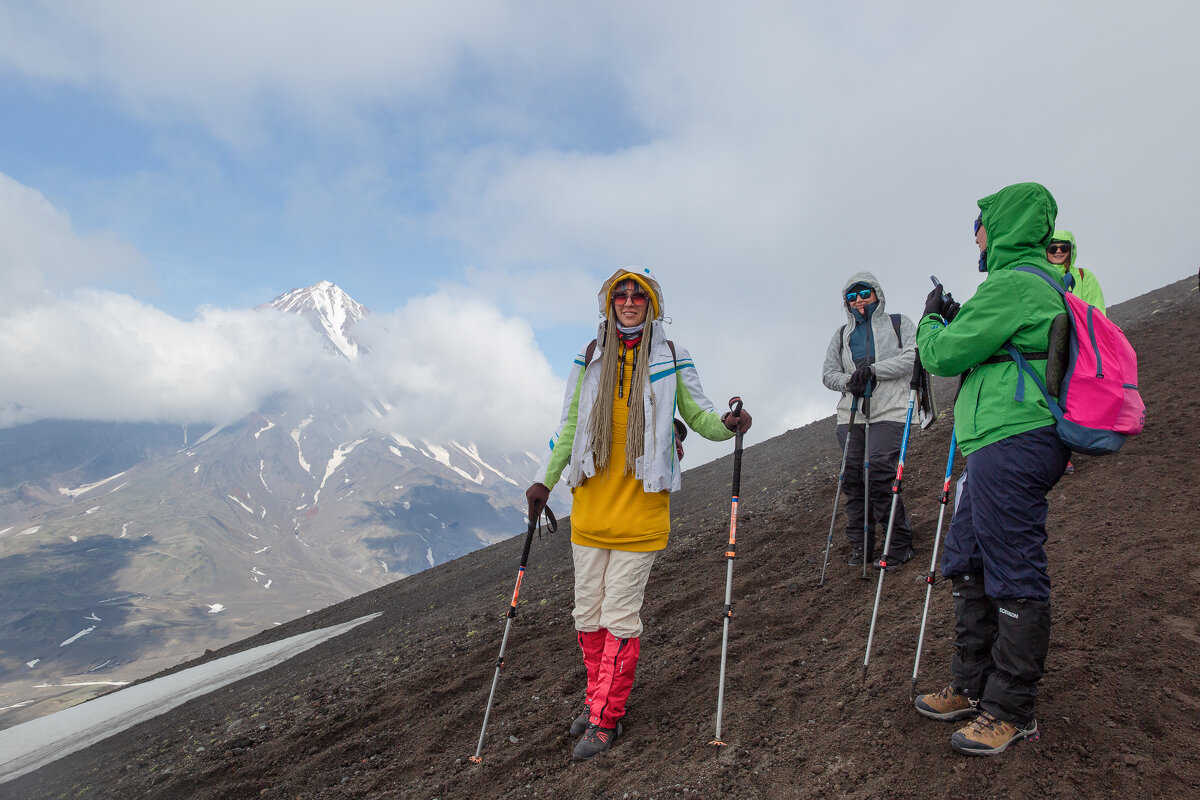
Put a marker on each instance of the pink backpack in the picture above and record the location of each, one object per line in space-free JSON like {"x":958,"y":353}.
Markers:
{"x":1098,"y":401}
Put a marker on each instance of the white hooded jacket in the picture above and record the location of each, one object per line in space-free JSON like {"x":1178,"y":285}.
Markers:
{"x":673,"y":388}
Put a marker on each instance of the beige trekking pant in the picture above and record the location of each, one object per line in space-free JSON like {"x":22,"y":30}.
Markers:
{"x":609,"y":588}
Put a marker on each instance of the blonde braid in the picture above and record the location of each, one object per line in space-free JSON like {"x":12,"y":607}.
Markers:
{"x":600,"y":426}
{"x":635,"y":431}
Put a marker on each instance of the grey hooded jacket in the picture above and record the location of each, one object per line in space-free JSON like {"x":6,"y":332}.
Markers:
{"x":892,"y":364}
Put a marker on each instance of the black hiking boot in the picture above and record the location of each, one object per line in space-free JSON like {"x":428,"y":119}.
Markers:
{"x":893,"y":561}
{"x":595,"y":742}
{"x":856,"y":557}
{"x":580,"y":725}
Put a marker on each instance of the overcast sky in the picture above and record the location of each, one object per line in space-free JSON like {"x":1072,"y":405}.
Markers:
{"x":472,"y":171}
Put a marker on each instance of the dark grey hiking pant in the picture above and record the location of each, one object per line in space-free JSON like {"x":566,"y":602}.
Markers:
{"x":886,"y":438}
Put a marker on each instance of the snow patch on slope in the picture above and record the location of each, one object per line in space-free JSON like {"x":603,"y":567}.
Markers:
{"x":442,"y":456}
{"x":81,"y":490}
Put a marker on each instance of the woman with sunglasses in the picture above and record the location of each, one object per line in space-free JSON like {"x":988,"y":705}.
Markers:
{"x":995,"y":552}
{"x":616,"y":446}
{"x":872,"y":349}
{"x":1062,"y":252}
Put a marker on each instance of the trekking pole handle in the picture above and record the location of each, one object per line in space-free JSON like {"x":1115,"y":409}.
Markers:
{"x":735,"y":407}
{"x":552,"y":524}
{"x":915,"y":381}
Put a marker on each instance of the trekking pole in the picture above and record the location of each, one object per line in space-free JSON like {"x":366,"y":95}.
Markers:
{"x":882,"y":565}
{"x":552,"y":523}
{"x":735,"y":404}
{"x":868,"y":542}
{"x":837,"y":496}
{"x":929,"y":579}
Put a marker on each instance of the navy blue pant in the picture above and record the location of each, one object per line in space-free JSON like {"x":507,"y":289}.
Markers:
{"x":886,"y":439}
{"x":995,"y":552}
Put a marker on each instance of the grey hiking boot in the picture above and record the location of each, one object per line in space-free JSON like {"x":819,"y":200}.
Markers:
{"x":946,"y":705}
{"x":595,"y":742}
{"x":987,"y":736}
{"x":892,"y":561}
{"x":580,"y":725}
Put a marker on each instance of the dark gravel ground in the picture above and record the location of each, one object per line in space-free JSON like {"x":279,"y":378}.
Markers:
{"x":393,"y":708}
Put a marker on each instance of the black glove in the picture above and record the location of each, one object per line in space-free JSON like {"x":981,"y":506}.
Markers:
{"x":739,"y":422}
{"x":857,"y":385}
{"x":938,"y":302}
{"x":933,"y":302}
{"x":537,"y":495}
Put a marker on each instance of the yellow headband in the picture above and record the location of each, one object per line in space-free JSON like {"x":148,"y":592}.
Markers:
{"x":633,"y":276}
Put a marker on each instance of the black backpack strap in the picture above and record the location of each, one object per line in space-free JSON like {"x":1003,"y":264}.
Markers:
{"x":896,"y":325}
{"x":1005,"y":357}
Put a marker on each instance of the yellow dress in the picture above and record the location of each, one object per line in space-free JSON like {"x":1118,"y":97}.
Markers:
{"x":613,"y":510}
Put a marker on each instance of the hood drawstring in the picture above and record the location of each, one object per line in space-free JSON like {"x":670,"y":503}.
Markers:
{"x":625,"y":348}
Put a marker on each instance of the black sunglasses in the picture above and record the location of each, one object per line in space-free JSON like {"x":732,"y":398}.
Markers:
{"x":1055,"y":249}
{"x":978,"y":223}
{"x":861,"y":294}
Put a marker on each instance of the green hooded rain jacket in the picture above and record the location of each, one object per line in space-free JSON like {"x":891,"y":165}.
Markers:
{"x":1086,"y":288}
{"x":1008,"y":305}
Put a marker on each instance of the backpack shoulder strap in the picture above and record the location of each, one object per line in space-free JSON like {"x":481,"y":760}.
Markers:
{"x":1025,"y":368}
{"x":674,"y":358}
{"x":896,"y":325}
{"x":1056,"y":285}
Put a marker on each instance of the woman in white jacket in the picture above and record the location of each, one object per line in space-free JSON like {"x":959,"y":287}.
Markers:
{"x":616,"y":444}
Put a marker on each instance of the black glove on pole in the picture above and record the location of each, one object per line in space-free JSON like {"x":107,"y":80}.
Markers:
{"x":859,"y":379}
{"x":941,"y":303}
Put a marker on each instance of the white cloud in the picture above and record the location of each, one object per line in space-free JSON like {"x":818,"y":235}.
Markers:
{"x":753,"y":156}
{"x":456,"y":367}
{"x":229,"y":65}
{"x":101,"y":355}
{"x":40,"y":250}
{"x":448,"y":368}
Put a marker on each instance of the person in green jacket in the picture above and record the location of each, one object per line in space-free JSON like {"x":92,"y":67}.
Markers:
{"x":995,"y":549}
{"x":1063,"y":252}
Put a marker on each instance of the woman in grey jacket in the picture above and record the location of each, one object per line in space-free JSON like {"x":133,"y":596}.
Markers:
{"x":877,"y":349}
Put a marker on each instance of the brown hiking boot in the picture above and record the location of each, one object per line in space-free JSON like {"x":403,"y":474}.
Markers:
{"x":987,"y":736}
{"x":946,"y":705}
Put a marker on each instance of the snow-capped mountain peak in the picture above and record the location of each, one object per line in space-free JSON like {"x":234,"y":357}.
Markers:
{"x":329,"y":308}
